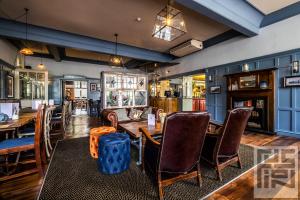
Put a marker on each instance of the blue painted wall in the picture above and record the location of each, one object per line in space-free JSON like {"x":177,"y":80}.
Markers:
{"x":287,"y":100}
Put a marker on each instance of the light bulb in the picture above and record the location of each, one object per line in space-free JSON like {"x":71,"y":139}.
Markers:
{"x":41,"y":66}
{"x":168,"y":21}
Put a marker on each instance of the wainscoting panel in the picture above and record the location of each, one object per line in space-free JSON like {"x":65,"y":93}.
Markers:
{"x":285,"y":120}
{"x":297,"y":99}
{"x":285,"y":98}
{"x":266,"y":63}
{"x":297,"y":119}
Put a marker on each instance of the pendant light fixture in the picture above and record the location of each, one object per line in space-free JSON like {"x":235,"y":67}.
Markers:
{"x":169,"y":24}
{"x":26,"y":51}
{"x":115,"y":59}
{"x":41,"y":65}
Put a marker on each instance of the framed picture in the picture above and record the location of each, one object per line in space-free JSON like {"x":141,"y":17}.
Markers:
{"x":215,"y":89}
{"x":10,"y":86}
{"x":291,"y":81}
{"x":248,"y":81}
{"x":93,"y":87}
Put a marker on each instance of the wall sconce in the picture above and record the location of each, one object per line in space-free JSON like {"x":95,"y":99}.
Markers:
{"x":245,"y":67}
{"x":210,"y":78}
{"x":295,"y":67}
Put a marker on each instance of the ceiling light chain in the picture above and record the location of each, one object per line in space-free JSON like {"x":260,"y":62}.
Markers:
{"x":26,"y":51}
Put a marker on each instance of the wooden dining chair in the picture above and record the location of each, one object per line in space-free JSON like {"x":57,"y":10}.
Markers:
{"x":47,"y":128}
{"x":177,"y":156}
{"x":221,"y":146}
{"x":58,"y":123}
{"x":19,"y":145}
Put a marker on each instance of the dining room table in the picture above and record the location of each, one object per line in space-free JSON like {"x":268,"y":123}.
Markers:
{"x":12,"y":125}
{"x":133,"y":129}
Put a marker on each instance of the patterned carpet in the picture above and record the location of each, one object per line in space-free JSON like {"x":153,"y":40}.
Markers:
{"x":73,"y":174}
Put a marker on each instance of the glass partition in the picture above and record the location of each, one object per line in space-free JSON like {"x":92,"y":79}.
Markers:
{"x":124,"y":90}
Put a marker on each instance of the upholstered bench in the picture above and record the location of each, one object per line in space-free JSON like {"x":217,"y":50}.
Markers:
{"x":95,"y":134}
{"x":114,"y":153}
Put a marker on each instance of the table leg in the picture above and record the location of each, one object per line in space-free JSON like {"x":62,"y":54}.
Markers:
{"x":139,"y":162}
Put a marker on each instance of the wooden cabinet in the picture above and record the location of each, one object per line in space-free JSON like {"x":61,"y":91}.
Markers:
{"x":254,"y":89}
{"x":169,"y":105}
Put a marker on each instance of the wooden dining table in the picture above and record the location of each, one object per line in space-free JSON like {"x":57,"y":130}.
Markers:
{"x":13,"y":125}
{"x":133,"y":129}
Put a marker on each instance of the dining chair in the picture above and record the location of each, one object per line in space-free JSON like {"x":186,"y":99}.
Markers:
{"x":47,"y":128}
{"x":176,"y":156}
{"x":18,"y":145}
{"x":221,"y":146}
{"x":58,"y":123}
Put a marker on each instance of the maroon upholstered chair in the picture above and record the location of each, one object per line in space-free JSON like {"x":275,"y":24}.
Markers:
{"x":221,"y":147}
{"x":177,"y":156}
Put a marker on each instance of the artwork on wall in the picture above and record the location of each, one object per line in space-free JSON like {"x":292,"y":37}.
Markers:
{"x":291,"y":81}
{"x":215,"y":89}
{"x":10,"y":86}
{"x":93,"y":87}
{"x":248,"y":81}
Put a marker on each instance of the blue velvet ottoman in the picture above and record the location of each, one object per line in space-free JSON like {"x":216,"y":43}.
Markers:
{"x":114,"y":153}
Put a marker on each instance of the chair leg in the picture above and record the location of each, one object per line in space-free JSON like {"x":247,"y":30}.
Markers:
{"x":219,"y":175}
{"x":37,"y":152}
{"x":199,"y":179}
{"x":239,"y":162}
{"x":160,"y":187}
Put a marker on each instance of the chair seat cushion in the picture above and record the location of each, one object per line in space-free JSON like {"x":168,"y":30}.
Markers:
{"x":12,"y":143}
{"x":27,"y":130}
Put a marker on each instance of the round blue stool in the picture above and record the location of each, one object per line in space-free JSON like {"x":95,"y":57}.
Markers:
{"x":114,"y":153}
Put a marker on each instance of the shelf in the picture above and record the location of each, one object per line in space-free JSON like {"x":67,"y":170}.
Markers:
{"x":250,"y":89}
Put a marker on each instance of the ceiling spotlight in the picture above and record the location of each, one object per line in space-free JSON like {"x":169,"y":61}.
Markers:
{"x":138,"y":19}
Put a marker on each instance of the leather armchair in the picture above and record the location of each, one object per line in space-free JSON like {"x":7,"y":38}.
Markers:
{"x":221,"y":145}
{"x":176,"y":156}
{"x":110,"y":118}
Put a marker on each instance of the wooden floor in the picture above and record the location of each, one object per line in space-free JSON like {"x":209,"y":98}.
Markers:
{"x":28,"y":187}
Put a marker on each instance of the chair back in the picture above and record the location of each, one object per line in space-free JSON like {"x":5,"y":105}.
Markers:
{"x":183,"y":138}
{"x":233,"y":129}
{"x":39,"y":126}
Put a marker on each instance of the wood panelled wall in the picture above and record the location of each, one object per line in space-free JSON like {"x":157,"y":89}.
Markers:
{"x":287,"y":100}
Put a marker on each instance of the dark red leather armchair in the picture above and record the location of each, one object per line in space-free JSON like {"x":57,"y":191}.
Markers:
{"x":177,"y":156}
{"x":222,"y":145}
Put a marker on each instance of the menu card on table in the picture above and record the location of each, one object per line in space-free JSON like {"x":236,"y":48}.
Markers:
{"x":151,"y":120}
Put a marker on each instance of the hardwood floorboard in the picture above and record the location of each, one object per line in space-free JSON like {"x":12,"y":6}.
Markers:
{"x":28,"y":187}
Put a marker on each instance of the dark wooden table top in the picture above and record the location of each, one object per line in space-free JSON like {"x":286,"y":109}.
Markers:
{"x":24,"y":119}
{"x":132,"y":128}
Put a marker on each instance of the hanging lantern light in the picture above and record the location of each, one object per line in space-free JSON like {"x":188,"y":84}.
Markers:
{"x":26,"y":51}
{"x":115,"y":59}
{"x":169,"y":24}
{"x":41,"y":65}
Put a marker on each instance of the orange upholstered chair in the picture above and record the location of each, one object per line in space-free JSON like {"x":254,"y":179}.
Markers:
{"x":95,"y":134}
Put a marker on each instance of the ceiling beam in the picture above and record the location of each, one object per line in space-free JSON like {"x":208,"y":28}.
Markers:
{"x":14,"y":29}
{"x":55,"y":52}
{"x":131,"y":64}
{"x":237,"y":14}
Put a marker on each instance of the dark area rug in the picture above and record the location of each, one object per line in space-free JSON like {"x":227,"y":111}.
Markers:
{"x":73,"y":174}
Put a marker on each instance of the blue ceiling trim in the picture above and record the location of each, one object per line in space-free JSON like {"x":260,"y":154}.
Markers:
{"x":221,"y":38}
{"x":14,"y":29}
{"x":282,"y":14}
{"x":237,"y":14}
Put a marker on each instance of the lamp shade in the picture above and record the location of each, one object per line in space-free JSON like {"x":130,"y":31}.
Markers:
{"x":169,"y":24}
{"x":26,"y":51}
